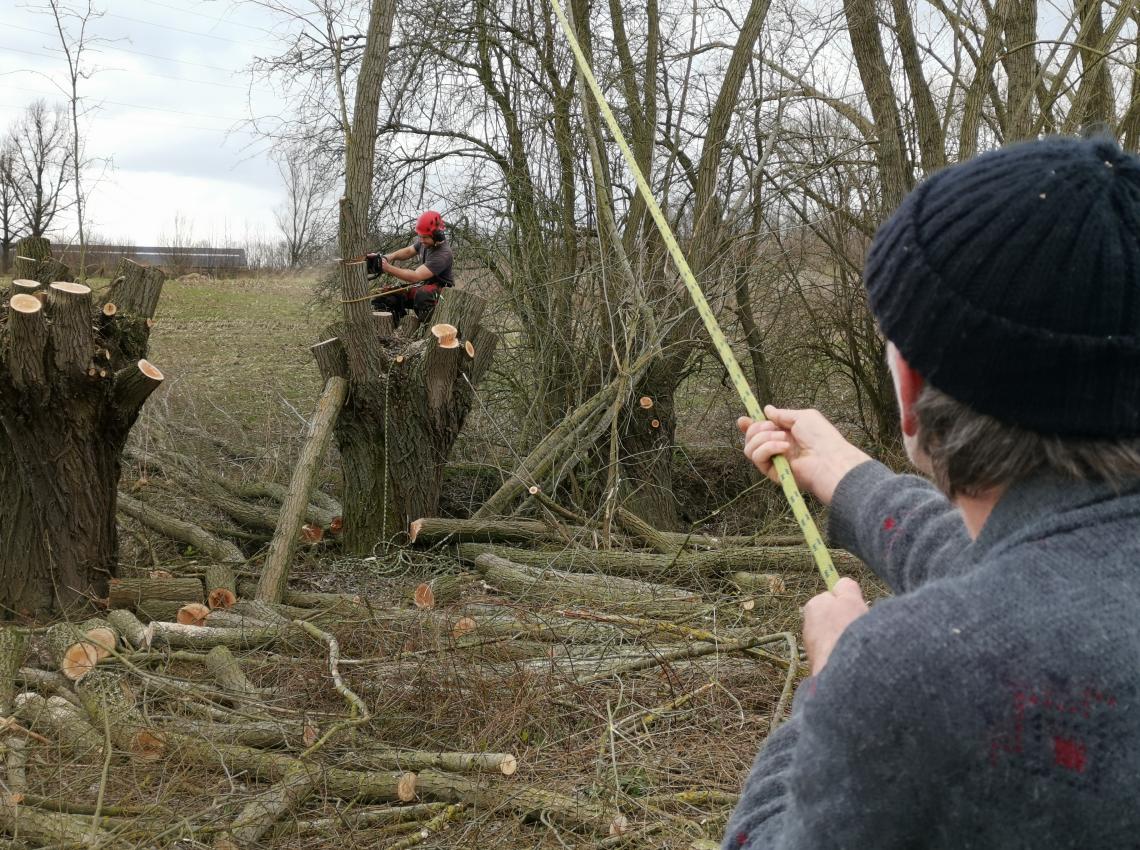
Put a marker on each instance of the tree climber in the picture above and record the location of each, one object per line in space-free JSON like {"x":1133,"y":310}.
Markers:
{"x":421,"y":285}
{"x":994,"y":700}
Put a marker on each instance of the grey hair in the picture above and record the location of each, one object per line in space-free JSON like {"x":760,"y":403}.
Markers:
{"x":971,"y":452}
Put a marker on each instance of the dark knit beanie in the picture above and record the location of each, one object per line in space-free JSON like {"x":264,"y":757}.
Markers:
{"x":1011,"y":283}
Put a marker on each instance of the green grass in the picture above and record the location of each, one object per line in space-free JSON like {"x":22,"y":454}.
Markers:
{"x":237,"y":351}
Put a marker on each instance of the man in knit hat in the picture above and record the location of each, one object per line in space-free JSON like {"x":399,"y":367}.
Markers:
{"x":994,"y":700}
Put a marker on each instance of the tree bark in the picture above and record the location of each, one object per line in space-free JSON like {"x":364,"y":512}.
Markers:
{"x":398,"y":427}
{"x":65,"y":420}
{"x":658,"y":567}
{"x":890,"y":150}
{"x":1021,"y":68}
{"x":1094,"y":103}
{"x":1130,"y":123}
{"x":545,"y":586}
{"x":275,"y":573}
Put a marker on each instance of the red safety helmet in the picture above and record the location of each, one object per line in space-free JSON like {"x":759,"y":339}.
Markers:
{"x":430,"y":224}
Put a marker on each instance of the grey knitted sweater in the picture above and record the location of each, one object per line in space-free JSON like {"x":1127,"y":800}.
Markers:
{"x":994,"y":702}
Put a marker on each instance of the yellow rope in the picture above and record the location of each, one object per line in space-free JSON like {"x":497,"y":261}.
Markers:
{"x":787,"y":481}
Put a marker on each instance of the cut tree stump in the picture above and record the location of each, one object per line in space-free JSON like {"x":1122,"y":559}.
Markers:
{"x":77,"y":648}
{"x":192,"y":614}
{"x":442,"y":589}
{"x":221,"y":586}
{"x":66,"y":418}
{"x":408,"y":400}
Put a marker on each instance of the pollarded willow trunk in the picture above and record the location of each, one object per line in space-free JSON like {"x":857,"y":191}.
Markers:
{"x":648,"y":428}
{"x":402,"y":417}
{"x":73,"y":377}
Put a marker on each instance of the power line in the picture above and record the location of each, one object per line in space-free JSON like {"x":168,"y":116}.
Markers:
{"x":134,"y":105}
{"x":49,"y":51}
{"x":174,"y":29}
{"x":213,"y":19}
{"x":108,"y":119}
{"x":137,"y":52}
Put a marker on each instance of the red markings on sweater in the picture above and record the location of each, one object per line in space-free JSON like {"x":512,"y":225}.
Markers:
{"x":889,"y":524}
{"x":741,"y":837}
{"x":1049,"y":732}
{"x":1069,"y":754}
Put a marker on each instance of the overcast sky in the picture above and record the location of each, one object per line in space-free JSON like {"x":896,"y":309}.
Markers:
{"x":166,"y":110}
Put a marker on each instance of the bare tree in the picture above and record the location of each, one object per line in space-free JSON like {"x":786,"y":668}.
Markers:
{"x":10,"y":223}
{"x":72,"y":20}
{"x":305,"y":219}
{"x":41,"y":156}
{"x":775,"y":149}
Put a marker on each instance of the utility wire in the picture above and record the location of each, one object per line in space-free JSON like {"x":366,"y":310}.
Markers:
{"x":133,"y":105}
{"x":53,"y":35}
{"x":49,"y":51}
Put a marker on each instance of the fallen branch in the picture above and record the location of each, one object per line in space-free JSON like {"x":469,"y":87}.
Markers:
{"x":275,"y":572}
{"x":702,"y":564}
{"x":358,"y":711}
{"x":64,"y":723}
{"x":227,"y":672}
{"x":53,"y":828}
{"x":260,"y":814}
{"x":428,"y":531}
{"x":545,"y":586}
{"x":129,"y":592}
{"x":430,"y":827}
{"x":417,"y":760}
{"x":185,"y":532}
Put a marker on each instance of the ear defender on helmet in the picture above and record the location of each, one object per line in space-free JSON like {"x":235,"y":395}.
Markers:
{"x":430,"y":224}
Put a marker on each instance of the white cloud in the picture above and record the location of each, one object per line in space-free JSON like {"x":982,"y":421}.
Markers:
{"x":169,"y":101}
{"x":140,"y":207}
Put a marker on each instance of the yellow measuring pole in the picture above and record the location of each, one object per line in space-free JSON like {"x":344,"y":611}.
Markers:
{"x":787,"y":481}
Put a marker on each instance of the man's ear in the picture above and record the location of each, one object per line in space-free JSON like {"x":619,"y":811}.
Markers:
{"x":908,"y":385}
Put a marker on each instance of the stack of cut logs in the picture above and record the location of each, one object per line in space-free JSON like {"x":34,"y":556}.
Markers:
{"x":549,"y":604}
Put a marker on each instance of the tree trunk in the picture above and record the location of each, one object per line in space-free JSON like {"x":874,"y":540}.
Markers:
{"x":1021,"y":68}
{"x":68,"y":398}
{"x":400,"y":423}
{"x":1094,"y":101}
{"x":1130,"y":123}
{"x":890,"y":151}
{"x":647,"y":449}
{"x":407,"y":400}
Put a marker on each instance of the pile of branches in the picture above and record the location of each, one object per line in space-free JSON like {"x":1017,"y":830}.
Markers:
{"x":548,"y":694}
{"x":180,"y":497}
